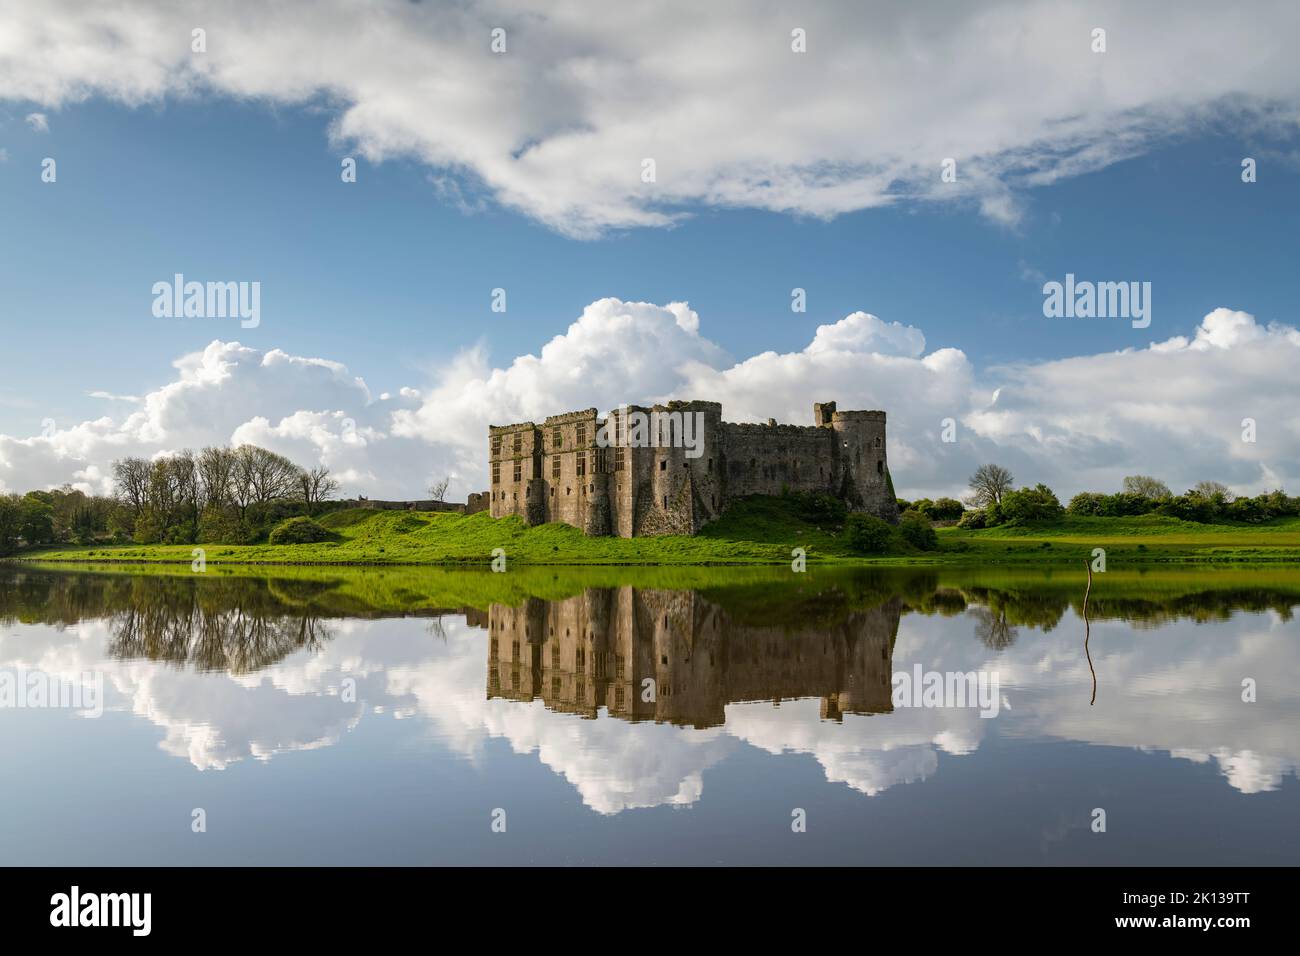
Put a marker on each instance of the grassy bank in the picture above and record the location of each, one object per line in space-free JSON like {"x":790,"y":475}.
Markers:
{"x":755,"y":532}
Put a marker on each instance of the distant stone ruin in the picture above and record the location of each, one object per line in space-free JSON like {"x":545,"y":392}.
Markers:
{"x":671,"y":469}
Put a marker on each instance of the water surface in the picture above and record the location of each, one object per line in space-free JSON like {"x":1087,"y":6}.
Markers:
{"x":647,"y":717}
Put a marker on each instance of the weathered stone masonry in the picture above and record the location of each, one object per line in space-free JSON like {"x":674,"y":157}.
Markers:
{"x":557,"y":471}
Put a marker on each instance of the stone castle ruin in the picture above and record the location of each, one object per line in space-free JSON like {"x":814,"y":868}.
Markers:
{"x":671,"y":469}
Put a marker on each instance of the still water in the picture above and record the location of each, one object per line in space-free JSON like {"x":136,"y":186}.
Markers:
{"x":649,"y":717}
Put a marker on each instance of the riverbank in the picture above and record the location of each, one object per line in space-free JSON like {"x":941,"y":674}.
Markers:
{"x":762,"y":532}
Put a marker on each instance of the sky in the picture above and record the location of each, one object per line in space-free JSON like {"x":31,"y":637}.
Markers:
{"x":378,"y":352}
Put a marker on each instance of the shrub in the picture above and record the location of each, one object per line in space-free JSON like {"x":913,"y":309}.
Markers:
{"x":824,"y":511}
{"x":916,"y":530}
{"x":944,"y":509}
{"x":1030,"y":504}
{"x":217,"y":526}
{"x":1088,"y":503}
{"x":974,"y":520}
{"x":299,"y":531}
{"x":1189,"y":508}
{"x":867,"y":534}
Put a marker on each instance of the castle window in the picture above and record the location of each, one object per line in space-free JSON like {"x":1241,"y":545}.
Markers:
{"x":557,"y":438}
{"x":663,"y":464}
{"x":496,"y":445}
{"x":880,"y":467}
{"x":581,"y":466}
{"x":710,"y":466}
{"x":582,"y":434}
{"x":877,"y":441}
{"x":496,"y":472}
{"x":519,"y":470}
{"x":519,"y":442}
{"x":619,"y":461}
{"x":665,"y":501}
{"x":753,"y":464}
{"x":555,"y":466}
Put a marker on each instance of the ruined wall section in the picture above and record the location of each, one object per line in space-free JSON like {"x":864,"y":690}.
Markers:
{"x":767,"y":459}
{"x":571,"y":464}
{"x":514,"y":460}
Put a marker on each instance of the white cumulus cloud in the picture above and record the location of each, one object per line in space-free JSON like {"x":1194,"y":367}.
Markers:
{"x":558,"y":124}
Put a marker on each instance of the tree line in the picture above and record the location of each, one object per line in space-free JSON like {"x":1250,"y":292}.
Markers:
{"x":220,"y":495}
{"x":995,"y":501}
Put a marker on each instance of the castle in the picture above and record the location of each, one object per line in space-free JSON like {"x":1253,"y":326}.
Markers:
{"x":671,"y":469}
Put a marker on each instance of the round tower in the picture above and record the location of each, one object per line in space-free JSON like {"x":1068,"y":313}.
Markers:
{"x":862,"y":463}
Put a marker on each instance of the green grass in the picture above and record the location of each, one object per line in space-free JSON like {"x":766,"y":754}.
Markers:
{"x":756,"y":531}
{"x":1148,"y":539}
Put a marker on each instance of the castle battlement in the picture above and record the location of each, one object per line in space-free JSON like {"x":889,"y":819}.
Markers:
{"x":671,"y":468}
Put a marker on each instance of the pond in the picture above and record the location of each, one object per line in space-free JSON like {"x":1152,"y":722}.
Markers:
{"x":649,"y":716}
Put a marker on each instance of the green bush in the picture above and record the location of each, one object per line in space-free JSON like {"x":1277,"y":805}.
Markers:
{"x":916,"y":530}
{"x":824,"y":511}
{"x":300,"y":531}
{"x":974,"y":519}
{"x":944,"y":509}
{"x":1029,"y":505}
{"x":867,"y":534}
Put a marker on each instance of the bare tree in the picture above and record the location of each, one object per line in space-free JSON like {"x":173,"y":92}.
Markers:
{"x":1210,"y":490}
{"x":989,"y":484}
{"x":262,"y":476}
{"x":438,"y":490}
{"x":131,"y":476}
{"x":217,"y":475}
{"x":1146,"y":487}
{"x":316,"y":487}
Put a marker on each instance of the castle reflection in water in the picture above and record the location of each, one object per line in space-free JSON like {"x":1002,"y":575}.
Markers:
{"x":675,"y":657}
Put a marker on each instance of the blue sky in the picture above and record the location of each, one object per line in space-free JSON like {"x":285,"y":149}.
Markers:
{"x":776,"y":171}
{"x":393,"y":278}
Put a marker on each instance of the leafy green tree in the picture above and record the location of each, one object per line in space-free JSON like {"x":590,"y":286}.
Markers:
{"x":36,"y":521}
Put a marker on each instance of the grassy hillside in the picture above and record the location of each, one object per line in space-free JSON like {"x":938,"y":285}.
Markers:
{"x":755,"y":531}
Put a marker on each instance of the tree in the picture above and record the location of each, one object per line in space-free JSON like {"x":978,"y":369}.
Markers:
{"x":438,"y":490}
{"x":1212,"y":491}
{"x":989,"y":484}
{"x":316,"y":486}
{"x":1147,"y":487}
{"x":262,"y":476}
{"x":10,"y":522}
{"x":216,"y":468}
{"x":131,"y":477}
